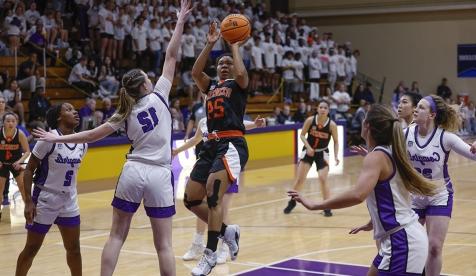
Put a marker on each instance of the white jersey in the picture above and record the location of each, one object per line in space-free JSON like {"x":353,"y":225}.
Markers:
{"x":428,"y":158}
{"x":389,"y":203}
{"x":59,"y":165}
{"x":149,"y":127}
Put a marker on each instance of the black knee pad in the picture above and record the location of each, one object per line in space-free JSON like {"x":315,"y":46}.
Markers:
{"x":212,"y":200}
{"x":190,"y":203}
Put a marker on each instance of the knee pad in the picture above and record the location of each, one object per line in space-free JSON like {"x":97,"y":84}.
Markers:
{"x":190,"y":203}
{"x":212,"y":200}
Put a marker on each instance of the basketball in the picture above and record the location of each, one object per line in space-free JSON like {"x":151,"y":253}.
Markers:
{"x":235,"y":27}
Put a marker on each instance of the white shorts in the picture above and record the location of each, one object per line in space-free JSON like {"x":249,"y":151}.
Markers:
{"x":441,"y":204}
{"x":60,"y":208}
{"x":151,"y":183}
{"x":403,"y":252}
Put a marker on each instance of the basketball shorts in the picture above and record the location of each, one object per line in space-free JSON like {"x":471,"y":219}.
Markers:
{"x":5,"y":171}
{"x":321,"y":158}
{"x":403,"y":252}
{"x":440,"y":204}
{"x":230,"y":154}
{"x":60,"y":208}
{"x":151,"y":183}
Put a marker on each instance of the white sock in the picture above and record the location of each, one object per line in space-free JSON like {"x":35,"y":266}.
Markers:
{"x":198,"y":238}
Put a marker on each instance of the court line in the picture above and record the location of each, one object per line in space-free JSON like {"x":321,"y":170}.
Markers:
{"x":135,"y":252}
{"x":231,"y":209}
{"x":302,"y":270}
{"x":335,"y":250}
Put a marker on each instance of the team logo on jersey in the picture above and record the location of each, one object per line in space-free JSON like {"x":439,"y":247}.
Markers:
{"x":410,"y":143}
{"x":60,"y":146}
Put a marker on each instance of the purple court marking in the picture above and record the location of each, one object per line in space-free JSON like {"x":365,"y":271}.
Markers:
{"x":309,"y":267}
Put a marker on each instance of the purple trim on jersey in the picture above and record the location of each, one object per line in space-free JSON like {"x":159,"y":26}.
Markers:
{"x":38,"y":227}
{"x":428,"y":141}
{"x":393,"y":164}
{"x":233,"y":189}
{"x":385,"y":206}
{"x":420,"y":212}
{"x":442,"y":210}
{"x":124,"y":205}
{"x":61,"y":134}
{"x":160,"y":212}
{"x":68,"y":221}
{"x":172,"y":182}
{"x":399,"y":257}
{"x":171,"y":122}
{"x":406,"y":132}
{"x":42,"y":175}
{"x":35,"y":195}
{"x":377,"y":260}
{"x":441,"y":142}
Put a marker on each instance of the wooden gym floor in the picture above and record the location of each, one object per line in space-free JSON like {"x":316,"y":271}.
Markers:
{"x":302,"y":243}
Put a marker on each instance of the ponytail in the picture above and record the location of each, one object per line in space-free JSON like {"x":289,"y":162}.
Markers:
{"x":413,"y":181}
{"x":124,"y":108}
{"x":446,"y":116}
{"x":130,"y":91}
{"x":385,"y":129}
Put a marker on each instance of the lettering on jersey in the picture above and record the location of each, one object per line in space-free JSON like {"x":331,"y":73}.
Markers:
{"x":423,"y":159}
{"x":219,"y":91}
{"x":4,"y":146}
{"x":66,"y":160}
{"x":410,"y":143}
{"x":318,"y":134}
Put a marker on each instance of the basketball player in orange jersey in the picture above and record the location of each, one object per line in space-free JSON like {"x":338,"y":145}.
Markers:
{"x":13,"y":143}
{"x":319,"y":129}
{"x":225,"y":153}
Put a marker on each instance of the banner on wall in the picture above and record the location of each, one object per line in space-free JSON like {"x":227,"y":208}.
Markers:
{"x":467,"y":61}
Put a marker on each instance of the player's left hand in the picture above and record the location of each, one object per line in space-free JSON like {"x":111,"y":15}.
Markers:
{"x":299,"y":198}
{"x":44,"y":135}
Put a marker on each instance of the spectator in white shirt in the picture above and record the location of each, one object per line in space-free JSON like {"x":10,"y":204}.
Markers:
{"x":340,"y":66}
{"x":342,"y":99}
{"x":49,"y":24}
{"x":80,"y":78}
{"x":106,"y":23}
{"x":333,"y":61}
{"x":314,"y":75}
{"x":122,"y":22}
{"x":154,"y":35}
{"x":256,"y":64}
{"x":13,"y":99}
{"x":299,"y":75}
{"x":139,"y":41}
{"x":188,"y":49}
{"x":200,"y":33}
{"x":31,"y":15}
{"x":287,"y":66}
{"x":270,"y":52}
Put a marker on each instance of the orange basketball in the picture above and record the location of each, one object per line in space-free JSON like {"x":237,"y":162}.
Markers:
{"x":235,"y":27}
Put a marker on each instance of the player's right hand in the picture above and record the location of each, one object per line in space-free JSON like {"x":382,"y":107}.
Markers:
{"x":367,"y":227}
{"x":29,"y":211}
{"x":310,"y":152}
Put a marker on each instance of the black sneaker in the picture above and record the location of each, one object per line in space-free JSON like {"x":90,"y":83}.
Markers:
{"x":327,"y":213}
{"x":290,"y":207}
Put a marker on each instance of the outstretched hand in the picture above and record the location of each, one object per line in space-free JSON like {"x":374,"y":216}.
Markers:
{"x":366,"y":227}
{"x":44,"y":135}
{"x":299,"y":198}
{"x":185,"y":11}
{"x":213,"y":32}
{"x":473,"y":148}
{"x":359,"y":150}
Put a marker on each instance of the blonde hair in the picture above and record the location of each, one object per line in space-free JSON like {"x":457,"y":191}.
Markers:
{"x":446,"y":116}
{"x":131,"y":82}
{"x":385,"y":129}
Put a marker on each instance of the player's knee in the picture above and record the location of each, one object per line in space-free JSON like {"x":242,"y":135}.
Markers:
{"x":435,"y":248}
{"x":73,"y":249}
{"x":212,"y":200}
{"x":189,"y":204}
{"x":31,"y":250}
